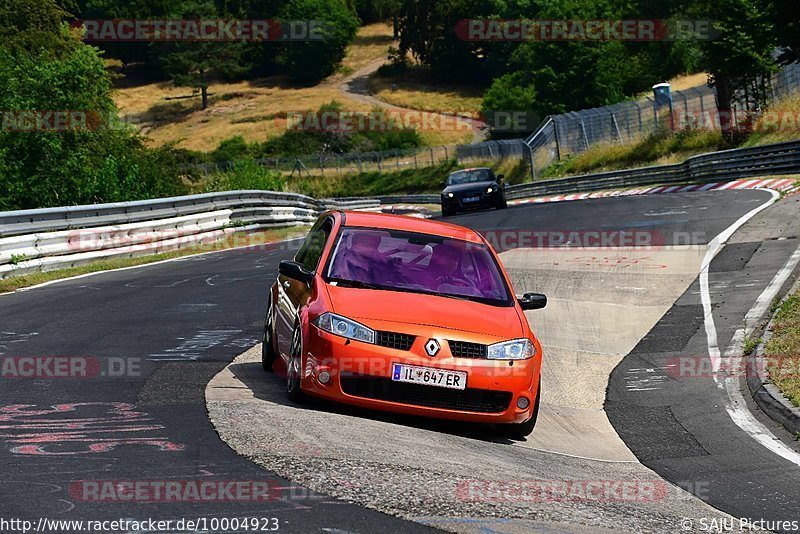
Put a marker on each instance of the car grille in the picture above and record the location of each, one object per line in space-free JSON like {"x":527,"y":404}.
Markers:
{"x":385,"y":389}
{"x":393,"y":340}
{"x":465,"y":349}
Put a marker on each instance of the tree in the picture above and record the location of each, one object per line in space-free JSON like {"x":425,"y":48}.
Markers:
{"x":783,"y":14}
{"x":739,"y":59}
{"x":34,"y":27}
{"x":312,"y":60}
{"x":97,"y":162}
{"x":197,"y":64}
{"x":428,"y":32}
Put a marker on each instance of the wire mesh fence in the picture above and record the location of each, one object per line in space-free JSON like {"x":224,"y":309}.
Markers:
{"x":557,"y":136}
{"x":383,"y":161}
{"x":571,"y":133}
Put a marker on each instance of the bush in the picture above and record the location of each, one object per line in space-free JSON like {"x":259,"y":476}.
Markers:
{"x":102,"y":162}
{"x":245,"y":174}
{"x":312,"y":60}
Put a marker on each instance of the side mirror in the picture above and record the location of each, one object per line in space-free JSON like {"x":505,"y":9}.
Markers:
{"x":295,"y":271}
{"x":500,"y":176}
{"x":532,"y":301}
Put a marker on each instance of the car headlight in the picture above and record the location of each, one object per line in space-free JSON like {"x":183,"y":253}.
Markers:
{"x":517,"y":349}
{"x":489,"y":190}
{"x":450,"y":195}
{"x":342,"y":326}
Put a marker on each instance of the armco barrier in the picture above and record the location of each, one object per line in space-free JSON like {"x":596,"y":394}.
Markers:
{"x":725,"y":165}
{"x":42,"y":239}
{"x":55,"y":238}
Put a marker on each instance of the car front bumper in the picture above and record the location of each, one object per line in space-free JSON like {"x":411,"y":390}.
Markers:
{"x":485,"y":200}
{"x":360,"y":375}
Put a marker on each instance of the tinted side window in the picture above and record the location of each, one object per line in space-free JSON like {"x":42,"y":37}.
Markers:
{"x":312,"y":248}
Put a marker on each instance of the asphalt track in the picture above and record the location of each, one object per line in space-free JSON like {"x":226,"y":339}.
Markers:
{"x":183,"y":321}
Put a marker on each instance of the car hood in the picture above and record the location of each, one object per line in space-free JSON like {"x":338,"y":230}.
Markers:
{"x":472,"y":186}
{"x":428,"y":310}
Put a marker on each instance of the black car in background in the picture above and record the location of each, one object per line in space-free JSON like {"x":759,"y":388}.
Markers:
{"x":470,"y":189}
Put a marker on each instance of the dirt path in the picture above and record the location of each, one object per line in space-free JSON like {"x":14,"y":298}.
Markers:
{"x":355,"y":86}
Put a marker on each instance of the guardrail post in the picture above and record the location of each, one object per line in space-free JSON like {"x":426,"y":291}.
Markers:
{"x":655,"y":114}
{"x":558,"y":144}
{"x":616,"y":127}
{"x":583,"y":131}
{"x":431,"y":150}
{"x":530,"y":159}
{"x":639,"y":113}
{"x":446,"y":158}
{"x":415,"y":160}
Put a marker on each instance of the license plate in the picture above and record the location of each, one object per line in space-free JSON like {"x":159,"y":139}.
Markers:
{"x":429,"y":376}
{"x":471,"y":199}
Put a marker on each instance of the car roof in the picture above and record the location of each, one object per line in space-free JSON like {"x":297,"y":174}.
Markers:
{"x":365,"y":219}
{"x":471,"y":169}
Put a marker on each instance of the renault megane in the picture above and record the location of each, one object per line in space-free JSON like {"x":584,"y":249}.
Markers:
{"x":406,"y":315}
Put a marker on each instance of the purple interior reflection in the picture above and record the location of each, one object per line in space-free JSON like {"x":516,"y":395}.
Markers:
{"x":416,"y":262}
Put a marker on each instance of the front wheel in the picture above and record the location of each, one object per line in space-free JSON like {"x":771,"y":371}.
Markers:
{"x":268,"y":352}
{"x":447,"y":212}
{"x":294,"y":367}
{"x":523,"y":430}
{"x":503,"y":204}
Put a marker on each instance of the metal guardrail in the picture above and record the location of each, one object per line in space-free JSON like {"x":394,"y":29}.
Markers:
{"x":775,"y":159}
{"x":51,"y":238}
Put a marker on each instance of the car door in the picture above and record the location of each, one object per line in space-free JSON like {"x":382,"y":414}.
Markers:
{"x":293,"y":294}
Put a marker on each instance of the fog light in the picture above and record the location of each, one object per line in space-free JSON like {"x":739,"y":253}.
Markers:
{"x":324,"y":377}
{"x":523,"y":403}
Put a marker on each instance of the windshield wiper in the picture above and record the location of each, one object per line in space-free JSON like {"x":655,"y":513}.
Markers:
{"x":355,"y":283}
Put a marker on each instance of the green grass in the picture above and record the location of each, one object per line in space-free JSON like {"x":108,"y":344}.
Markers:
{"x":265,"y":236}
{"x":409,"y":181}
{"x":783,"y":349}
{"x":665,"y":147}
{"x":660,"y":148}
{"x":751,"y":344}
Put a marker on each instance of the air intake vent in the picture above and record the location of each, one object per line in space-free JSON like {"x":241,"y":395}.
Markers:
{"x":464,"y":349}
{"x":393,"y":340}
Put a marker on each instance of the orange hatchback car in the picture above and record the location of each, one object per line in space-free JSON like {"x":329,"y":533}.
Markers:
{"x":405,"y":315}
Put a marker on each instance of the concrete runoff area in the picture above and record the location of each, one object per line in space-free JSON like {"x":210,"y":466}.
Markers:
{"x":601,"y":303}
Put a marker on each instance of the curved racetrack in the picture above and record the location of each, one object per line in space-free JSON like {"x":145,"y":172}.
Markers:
{"x":175,"y":326}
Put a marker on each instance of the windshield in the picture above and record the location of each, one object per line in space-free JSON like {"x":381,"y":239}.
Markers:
{"x":405,"y":261}
{"x":470,"y":176}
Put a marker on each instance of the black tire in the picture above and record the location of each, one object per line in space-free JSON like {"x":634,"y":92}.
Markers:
{"x":522,"y":430}
{"x":447,"y":212}
{"x":268,"y":352}
{"x":503,"y":204}
{"x":294,"y":367}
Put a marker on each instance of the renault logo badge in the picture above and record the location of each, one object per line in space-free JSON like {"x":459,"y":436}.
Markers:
{"x":432,"y":347}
